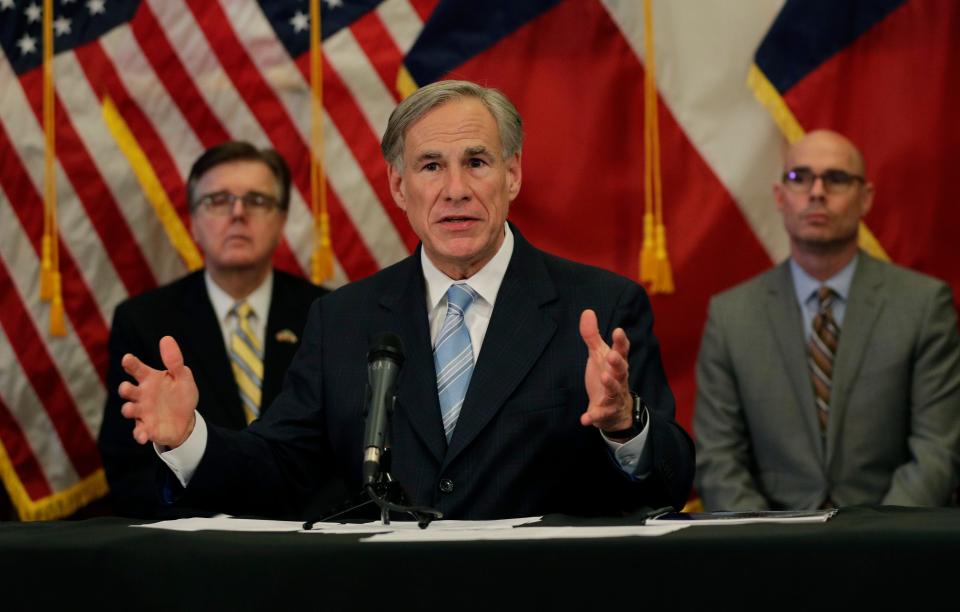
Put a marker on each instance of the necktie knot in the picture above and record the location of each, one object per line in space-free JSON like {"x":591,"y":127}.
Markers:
{"x":460,"y":296}
{"x":825,"y":297}
{"x":244,"y":313}
{"x":243,"y":310}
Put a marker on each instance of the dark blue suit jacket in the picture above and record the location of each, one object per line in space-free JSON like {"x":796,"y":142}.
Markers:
{"x":518,"y":448}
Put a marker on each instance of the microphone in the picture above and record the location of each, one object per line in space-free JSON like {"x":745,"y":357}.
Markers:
{"x":384,"y":360}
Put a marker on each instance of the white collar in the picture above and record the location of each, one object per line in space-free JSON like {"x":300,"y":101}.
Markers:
{"x":485,"y":281}
{"x":259,"y":299}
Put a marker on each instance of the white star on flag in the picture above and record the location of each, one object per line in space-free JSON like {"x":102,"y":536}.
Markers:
{"x":300,"y":21}
{"x":27,"y":44}
{"x":33,"y":13}
{"x":61,"y":25}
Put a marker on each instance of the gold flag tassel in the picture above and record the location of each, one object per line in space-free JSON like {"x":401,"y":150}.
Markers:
{"x":655,"y":268}
{"x":50,"y":287}
{"x":648,"y":251}
{"x":58,"y":323}
{"x":46,"y":264}
{"x":49,"y":184}
{"x":321,"y":260}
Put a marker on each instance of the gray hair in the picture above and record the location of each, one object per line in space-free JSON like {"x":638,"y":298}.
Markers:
{"x":428,"y":97}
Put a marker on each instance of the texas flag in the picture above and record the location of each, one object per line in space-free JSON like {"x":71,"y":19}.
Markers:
{"x":728,"y":76}
{"x":885,"y":73}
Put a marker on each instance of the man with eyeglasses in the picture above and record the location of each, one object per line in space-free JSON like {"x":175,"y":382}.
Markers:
{"x":238,"y":320}
{"x":834,"y":378}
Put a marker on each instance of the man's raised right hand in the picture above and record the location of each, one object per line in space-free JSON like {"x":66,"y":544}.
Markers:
{"x":162,"y":403}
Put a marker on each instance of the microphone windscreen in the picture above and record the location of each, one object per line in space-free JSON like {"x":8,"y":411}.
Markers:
{"x":386,"y":346}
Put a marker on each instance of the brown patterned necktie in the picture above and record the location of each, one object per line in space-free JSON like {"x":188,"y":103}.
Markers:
{"x":822,"y":349}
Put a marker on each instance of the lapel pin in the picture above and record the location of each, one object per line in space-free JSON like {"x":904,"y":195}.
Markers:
{"x":285,"y":335}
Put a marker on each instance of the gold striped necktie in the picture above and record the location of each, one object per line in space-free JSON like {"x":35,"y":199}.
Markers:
{"x":246,"y":357}
{"x":822,"y":349}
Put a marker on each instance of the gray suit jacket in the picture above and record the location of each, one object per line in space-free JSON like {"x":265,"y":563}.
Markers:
{"x":895,"y":407}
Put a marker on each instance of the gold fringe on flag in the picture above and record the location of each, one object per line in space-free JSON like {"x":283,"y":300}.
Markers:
{"x":767,"y":95}
{"x":405,"y":83}
{"x":655,"y":268}
{"x":321,"y":260}
{"x":50,"y":288}
{"x":58,"y":505}
{"x":694,"y":505}
{"x":152,"y":188}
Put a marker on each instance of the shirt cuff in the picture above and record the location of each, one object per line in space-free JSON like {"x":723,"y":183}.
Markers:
{"x":633,"y":456}
{"x":184,"y":459}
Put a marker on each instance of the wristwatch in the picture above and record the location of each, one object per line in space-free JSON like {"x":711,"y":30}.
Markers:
{"x":639,"y":421}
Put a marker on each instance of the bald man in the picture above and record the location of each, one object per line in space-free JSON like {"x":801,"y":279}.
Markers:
{"x":832,"y":379}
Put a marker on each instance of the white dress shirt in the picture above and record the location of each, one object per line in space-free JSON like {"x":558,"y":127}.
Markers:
{"x":486,"y":283}
{"x":223,"y":305}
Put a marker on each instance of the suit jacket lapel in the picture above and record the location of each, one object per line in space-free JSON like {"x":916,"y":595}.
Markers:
{"x":205,"y":340}
{"x":275,"y":352}
{"x":406,"y":306}
{"x":863,"y":307}
{"x":517,"y":334}
{"x":783,"y":313}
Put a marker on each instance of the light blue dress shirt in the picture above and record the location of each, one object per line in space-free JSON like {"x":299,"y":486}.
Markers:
{"x":806,"y":288}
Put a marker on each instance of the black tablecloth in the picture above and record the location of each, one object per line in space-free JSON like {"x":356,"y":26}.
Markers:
{"x":867,"y":557}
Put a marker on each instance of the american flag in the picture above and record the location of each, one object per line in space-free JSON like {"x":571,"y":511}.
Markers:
{"x":183,"y":75}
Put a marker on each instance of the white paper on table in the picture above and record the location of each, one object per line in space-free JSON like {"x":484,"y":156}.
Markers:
{"x":404,"y":526}
{"x":526,"y":533}
{"x":224,"y":522}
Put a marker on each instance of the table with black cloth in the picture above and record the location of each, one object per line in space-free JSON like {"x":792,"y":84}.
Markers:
{"x":866,"y":557}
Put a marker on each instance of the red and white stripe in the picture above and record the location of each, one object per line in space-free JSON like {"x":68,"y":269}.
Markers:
{"x":184,"y":75}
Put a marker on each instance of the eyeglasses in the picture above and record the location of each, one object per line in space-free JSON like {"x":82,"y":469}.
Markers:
{"x":220,"y":203}
{"x":801,"y":180}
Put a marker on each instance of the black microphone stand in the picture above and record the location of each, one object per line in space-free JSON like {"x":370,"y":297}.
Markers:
{"x":385,"y":492}
{"x":388,"y":495}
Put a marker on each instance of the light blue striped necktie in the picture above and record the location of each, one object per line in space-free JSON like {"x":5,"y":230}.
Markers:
{"x":453,"y":356}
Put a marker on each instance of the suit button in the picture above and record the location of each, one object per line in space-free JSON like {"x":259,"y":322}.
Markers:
{"x":446,"y":485}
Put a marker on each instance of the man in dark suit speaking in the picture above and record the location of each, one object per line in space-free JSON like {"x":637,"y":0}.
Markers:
{"x":238,"y":320}
{"x":510,"y":402}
